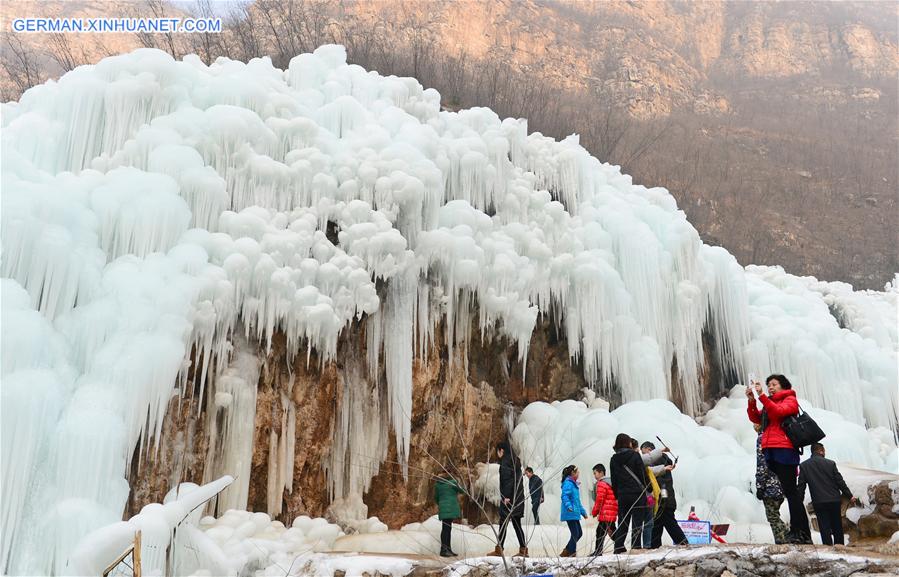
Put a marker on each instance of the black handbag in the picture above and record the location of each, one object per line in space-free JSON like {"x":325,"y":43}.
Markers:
{"x":801,"y":429}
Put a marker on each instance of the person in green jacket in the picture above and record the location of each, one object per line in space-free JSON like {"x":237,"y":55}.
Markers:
{"x":446,"y":493}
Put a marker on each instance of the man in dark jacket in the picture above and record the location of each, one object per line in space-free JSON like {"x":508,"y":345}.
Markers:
{"x":668,"y":503}
{"x":511,"y":490}
{"x":535,"y":489}
{"x":630,"y":485}
{"x":826,"y":486}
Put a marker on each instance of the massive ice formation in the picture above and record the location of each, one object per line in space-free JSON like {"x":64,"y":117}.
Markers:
{"x":156,"y":214}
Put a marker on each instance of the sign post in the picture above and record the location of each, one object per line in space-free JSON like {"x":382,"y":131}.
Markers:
{"x":697,"y":532}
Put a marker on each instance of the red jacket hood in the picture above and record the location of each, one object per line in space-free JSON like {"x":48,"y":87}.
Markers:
{"x":781,"y":395}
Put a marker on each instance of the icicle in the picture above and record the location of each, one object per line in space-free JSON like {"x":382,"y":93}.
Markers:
{"x":230,"y":449}
{"x":274,"y":489}
{"x":424,"y":328}
{"x":360,"y":433}
{"x":399,"y":318}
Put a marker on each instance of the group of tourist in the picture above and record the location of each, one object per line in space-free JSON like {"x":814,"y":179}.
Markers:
{"x":779,"y":474}
{"x":638,"y":492}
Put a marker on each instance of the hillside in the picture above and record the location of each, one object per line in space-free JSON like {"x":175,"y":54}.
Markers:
{"x":778,"y":120}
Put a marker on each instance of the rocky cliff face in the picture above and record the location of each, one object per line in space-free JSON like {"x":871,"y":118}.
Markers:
{"x":656,"y":56}
{"x":660,"y":56}
{"x":767,"y":110}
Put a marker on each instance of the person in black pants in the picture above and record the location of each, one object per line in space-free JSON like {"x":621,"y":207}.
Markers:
{"x":800,"y":532}
{"x":605,"y":508}
{"x":511,"y":506}
{"x":665,"y":519}
{"x":781,"y":457}
{"x":446,"y":495}
{"x":629,"y":483}
{"x":535,"y":489}
{"x":827,"y":486}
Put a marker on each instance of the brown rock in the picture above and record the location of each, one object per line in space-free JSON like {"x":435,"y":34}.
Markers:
{"x":881,"y":523}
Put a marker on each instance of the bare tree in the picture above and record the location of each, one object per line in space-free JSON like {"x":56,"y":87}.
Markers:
{"x":163,"y":40}
{"x":20,"y":63}
{"x":454,"y":76}
{"x":242,"y":26}
{"x":609,"y":123}
{"x":207,"y":45}
{"x":64,"y":53}
{"x":100,"y":49}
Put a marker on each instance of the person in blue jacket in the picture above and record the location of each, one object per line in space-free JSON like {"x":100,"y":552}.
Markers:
{"x":572,"y":509}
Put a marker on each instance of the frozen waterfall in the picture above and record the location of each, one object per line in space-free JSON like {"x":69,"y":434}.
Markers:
{"x":157,"y":214}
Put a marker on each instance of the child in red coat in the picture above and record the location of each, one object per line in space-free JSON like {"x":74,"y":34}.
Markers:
{"x":605,"y":509}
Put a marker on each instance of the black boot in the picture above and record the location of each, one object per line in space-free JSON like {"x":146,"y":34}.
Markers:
{"x":798,"y":539}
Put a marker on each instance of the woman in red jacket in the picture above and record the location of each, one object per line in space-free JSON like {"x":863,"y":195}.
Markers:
{"x":781,"y":456}
{"x":605,"y":509}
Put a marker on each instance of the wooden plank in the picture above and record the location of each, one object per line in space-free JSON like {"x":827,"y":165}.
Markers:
{"x":117,"y":561}
{"x":136,"y":568}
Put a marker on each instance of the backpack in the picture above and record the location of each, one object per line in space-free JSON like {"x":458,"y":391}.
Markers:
{"x":653,"y":498}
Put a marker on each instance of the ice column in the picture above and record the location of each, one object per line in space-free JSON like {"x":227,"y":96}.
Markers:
{"x":399,"y":320}
{"x":232,"y":422}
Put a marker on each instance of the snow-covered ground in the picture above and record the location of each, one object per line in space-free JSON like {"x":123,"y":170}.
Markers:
{"x":240,"y":541}
{"x":154,"y":207}
{"x":750,"y":560}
